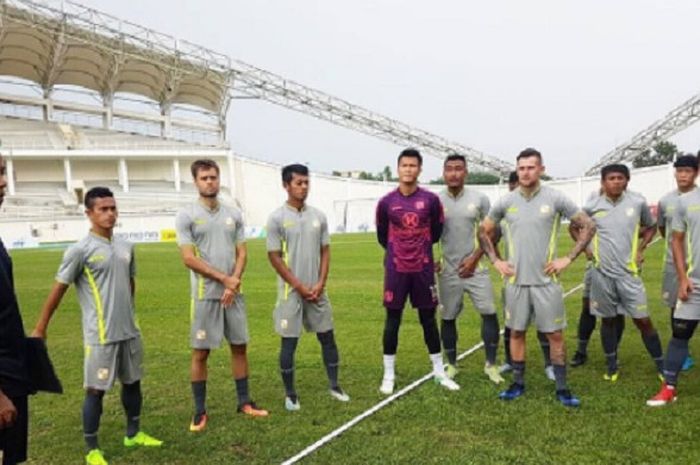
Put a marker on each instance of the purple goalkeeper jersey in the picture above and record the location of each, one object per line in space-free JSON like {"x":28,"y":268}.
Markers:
{"x":407,"y":227}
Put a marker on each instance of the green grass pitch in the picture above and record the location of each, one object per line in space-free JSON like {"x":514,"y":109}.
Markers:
{"x":428,"y":425}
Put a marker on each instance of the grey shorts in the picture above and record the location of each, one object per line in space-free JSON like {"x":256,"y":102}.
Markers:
{"x":543,"y":303}
{"x":690,"y":309}
{"x":451,"y":290}
{"x":211,"y":322}
{"x":292,"y":313}
{"x":104,"y":362}
{"x":669,"y":287}
{"x":622,"y":295}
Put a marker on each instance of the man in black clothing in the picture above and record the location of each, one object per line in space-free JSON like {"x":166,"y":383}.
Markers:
{"x":13,"y":370}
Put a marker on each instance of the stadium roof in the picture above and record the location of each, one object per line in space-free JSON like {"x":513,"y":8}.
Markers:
{"x":50,"y":42}
{"x":75,"y":45}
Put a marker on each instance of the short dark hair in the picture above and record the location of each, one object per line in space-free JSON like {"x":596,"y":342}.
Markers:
{"x":96,"y":193}
{"x":615,"y":168}
{"x":455,"y":157}
{"x":203,"y":164}
{"x":513,"y":177}
{"x":529,"y":152}
{"x":686,"y":161}
{"x":410,"y":153}
{"x":289,"y":171}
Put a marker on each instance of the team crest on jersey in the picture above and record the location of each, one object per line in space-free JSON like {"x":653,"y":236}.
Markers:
{"x":471,"y":208}
{"x":420,"y":205}
{"x":544,"y":209}
{"x":229,"y":221}
{"x":410,"y":220}
{"x":316,"y":224}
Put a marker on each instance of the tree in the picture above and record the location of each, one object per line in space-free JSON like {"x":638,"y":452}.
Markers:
{"x":664,"y":152}
{"x":482,"y":177}
{"x":364,"y":175}
{"x":475,"y":177}
{"x":386,"y":174}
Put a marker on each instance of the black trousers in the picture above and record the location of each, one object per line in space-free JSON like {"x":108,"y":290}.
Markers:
{"x":13,"y":440}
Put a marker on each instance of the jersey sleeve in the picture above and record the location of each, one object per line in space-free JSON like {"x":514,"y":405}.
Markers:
{"x":132,"y":263}
{"x":484,"y":207}
{"x":240,"y":228}
{"x":437,"y":219}
{"x":274,"y":234}
{"x":566,"y":207}
{"x":678,"y":223}
{"x":497,"y":211}
{"x":661,"y":214}
{"x":71,"y":266}
{"x":325,"y":236}
{"x":645,"y":217}
{"x":183,"y":228}
{"x":382,"y":223}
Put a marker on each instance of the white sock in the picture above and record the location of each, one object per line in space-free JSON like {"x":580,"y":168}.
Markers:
{"x":389,"y":362}
{"x":438,"y":365}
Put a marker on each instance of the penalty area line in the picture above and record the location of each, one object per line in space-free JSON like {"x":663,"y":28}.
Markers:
{"x":395,"y":396}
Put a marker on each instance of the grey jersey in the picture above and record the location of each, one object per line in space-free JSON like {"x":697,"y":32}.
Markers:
{"x":460,"y":231}
{"x":214,"y":235}
{"x":686,"y":219}
{"x":531,"y":225}
{"x":299,"y":235}
{"x":665,"y":211}
{"x":101,"y":271}
{"x":616,"y":241}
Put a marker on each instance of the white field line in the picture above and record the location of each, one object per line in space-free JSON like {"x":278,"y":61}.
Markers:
{"x":374,"y":409}
{"x":371,"y":411}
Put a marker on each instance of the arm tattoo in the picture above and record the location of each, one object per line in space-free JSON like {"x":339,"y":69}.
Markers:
{"x":486,"y":230}
{"x":586,"y":230}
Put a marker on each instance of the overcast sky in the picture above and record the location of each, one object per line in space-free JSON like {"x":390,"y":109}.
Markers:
{"x":573,"y":79}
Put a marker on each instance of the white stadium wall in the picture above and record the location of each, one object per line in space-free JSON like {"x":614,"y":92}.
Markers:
{"x":254,"y":186}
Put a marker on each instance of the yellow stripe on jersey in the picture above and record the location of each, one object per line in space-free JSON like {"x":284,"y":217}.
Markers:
{"x":632,"y":262}
{"x":285,"y":258}
{"x":553,"y":242}
{"x":200,"y":278}
{"x":689,"y":254}
{"x":101,"y":331}
{"x":511,"y":248}
{"x":476,"y":243}
{"x":596,"y":250}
